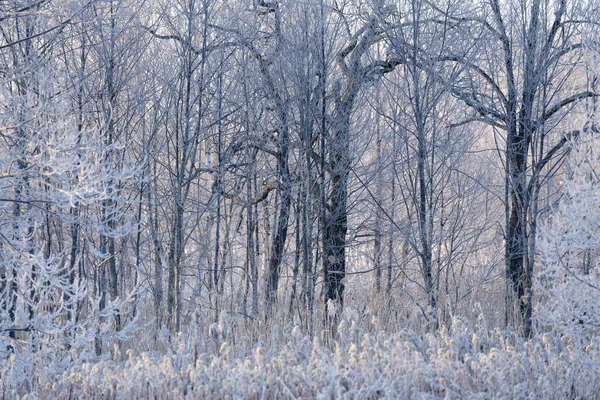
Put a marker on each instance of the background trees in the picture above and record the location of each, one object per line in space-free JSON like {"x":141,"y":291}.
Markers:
{"x":436,"y":186}
{"x":233,"y":167}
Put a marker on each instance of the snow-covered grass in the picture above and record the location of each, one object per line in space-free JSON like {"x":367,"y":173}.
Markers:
{"x":463,"y":361}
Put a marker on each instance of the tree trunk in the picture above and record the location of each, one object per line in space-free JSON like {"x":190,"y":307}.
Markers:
{"x":337,"y":218}
{"x":284,"y":195}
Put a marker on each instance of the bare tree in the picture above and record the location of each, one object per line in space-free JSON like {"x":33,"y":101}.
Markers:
{"x":354,"y":73}
{"x":517,"y":77}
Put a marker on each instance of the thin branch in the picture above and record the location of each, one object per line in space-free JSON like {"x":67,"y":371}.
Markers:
{"x":565,"y":102}
{"x":22,"y":10}
{"x":59,"y":26}
{"x":480,"y":71}
{"x":186,"y":44}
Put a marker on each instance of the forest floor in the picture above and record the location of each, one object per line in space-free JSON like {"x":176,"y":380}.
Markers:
{"x":462,"y":362}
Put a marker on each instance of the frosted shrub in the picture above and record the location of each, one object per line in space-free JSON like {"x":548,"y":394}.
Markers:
{"x":568,"y":280}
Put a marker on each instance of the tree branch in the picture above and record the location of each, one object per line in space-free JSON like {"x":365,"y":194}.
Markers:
{"x":185,"y":43}
{"x":479,"y":71}
{"x":565,"y":102}
{"x":266,"y":189}
{"x":556,"y":148}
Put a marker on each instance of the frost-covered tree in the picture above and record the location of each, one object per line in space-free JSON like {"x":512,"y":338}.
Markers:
{"x":50,"y":164}
{"x":519,"y":69}
{"x":436,"y":187}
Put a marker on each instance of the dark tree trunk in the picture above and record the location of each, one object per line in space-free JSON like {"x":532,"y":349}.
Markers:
{"x":284,"y":194}
{"x":337,"y":218}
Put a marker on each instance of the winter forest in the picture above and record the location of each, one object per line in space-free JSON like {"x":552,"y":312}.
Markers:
{"x":288,"y":199}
